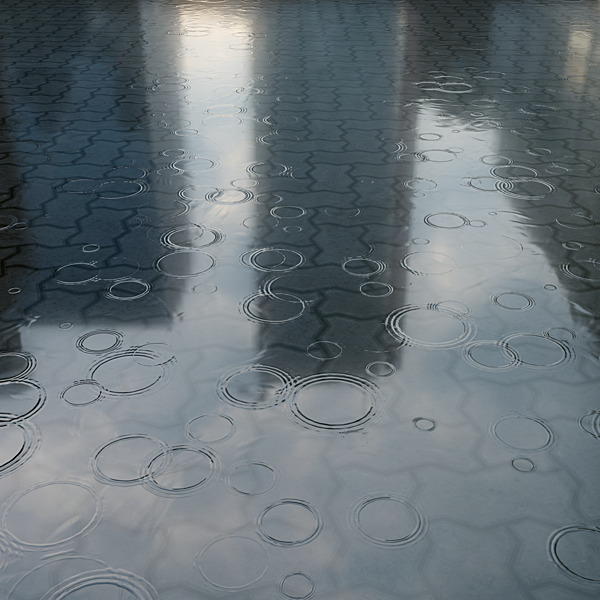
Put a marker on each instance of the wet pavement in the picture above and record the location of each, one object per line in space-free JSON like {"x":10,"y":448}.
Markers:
{"x":299,"y":299}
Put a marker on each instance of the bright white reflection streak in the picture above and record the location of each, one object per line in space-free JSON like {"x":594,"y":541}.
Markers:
{"x":223,"y":119}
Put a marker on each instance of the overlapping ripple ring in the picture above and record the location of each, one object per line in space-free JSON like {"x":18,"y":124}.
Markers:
{"x":139,"y":588}
{"x":6,"y":418}
{"x":103,"y":477}
{"x":282,"y":297}
{"x":419,"y":530}
{"x":566,"y":352}
{"x":512,"y":358}
{"x":251,"y":258}
{"x":151,"y":470}
{"x":29,"y":446}
{"x":29,"y":366}
{"x":281,"y":394}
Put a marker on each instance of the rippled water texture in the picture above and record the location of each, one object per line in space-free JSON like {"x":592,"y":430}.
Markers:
{"x":299,"y":300}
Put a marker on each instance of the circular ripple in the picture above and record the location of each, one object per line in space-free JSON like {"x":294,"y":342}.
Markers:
{"x":71,"y":510}
{"x":126,"y":290}
{"x":262,"y":307}
{"x":363,"y":267}
{"x":375,"y":289}
{"x":446,"y":220}
{"x":380,"y":368}
{"x":424,"y":424}
{"x":210,"y":429}
{"x":525,"y":188}
{"x":233,"y":562}
{"x":418,"y":184}
{"x":122,"y":374}
{"x":590,"y":423}
{"x":428,"y":263}
{"x":288,"y":212}
{"x":180,"y":470}
{"x":540,"y":352}
{"x":16,"y":365}
{"x":513,"y":300}
{"x":560,"y":334}
{"x":197,"y":164}
{"x":121,"y":460}
{"x":496,"y":247}
{"x":118,"y":188}
{"x":431,"y":326}
{"x":21,"y":399}
{"x":82,"y":393}
{"x":296,"y":586}
{"x":576,"y":552}
{"x":289,"y":522}
{"x":185,"y":264}
{"x":18,"y":443}
{"x":76,"y":273}
{"x":576,"y":221}
{"x":100,"y":341}
{"x":524,"y":465}
{"x":254,"y":387}
{"x":490,"y":355}
{"x":250,"y":478}
{"x":269,"y":260}
{"x":334,"y":402}
{"x":523,"y":432}
{"x":110,"y":581}
{"x":324,"y":350}
{"x":387,"y":520}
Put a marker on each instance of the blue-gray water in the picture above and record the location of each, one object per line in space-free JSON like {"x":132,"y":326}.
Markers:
{"x":299,"y":299}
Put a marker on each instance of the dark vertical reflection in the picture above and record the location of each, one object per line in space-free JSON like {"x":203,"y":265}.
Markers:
{"x":333,"y":133}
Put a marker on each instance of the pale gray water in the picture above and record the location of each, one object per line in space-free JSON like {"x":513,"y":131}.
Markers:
{"x":299,"y":299}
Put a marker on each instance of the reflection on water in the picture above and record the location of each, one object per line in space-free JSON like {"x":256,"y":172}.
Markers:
{"x":299,"y":300}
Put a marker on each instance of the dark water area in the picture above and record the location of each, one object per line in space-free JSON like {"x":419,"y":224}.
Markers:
{"x":299,"y":299}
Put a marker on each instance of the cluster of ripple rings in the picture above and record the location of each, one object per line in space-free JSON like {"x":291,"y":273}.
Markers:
{"x":383,"y":534}
{"x":310,"y":517}
{"x":139,"y":588}
{"x":334,"y":402}
{"x":463,"y":325}
{"x":254,"y":387}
